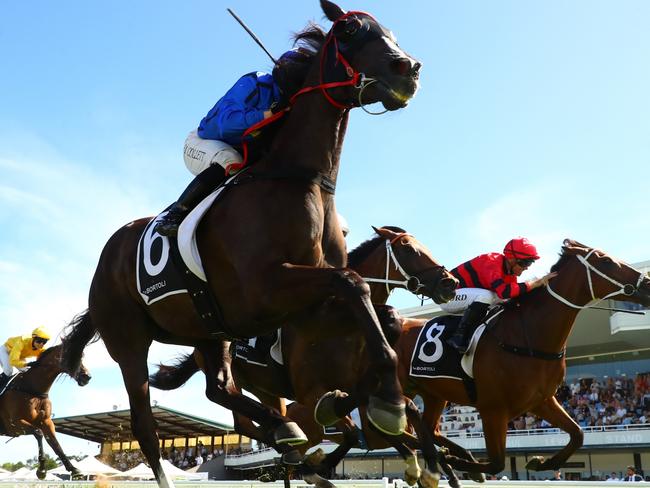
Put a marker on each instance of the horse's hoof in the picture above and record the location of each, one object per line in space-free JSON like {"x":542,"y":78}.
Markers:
{"x":429,"y":479}
{"x":387,"y":417}
{"x":315,"y":458}
{"x":412,"y":478}
{"x":289,"y":433}
{"x":476,"y":476}
{"x":535,"y":463}
{"x":324,"y":412}
{"x":318,"y":481}
{"x":40,"y":473}
{"x":454,"y":483}
{"x":292,"y":458}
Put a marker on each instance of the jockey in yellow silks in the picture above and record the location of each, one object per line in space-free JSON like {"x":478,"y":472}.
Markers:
{"x":16,"y":350}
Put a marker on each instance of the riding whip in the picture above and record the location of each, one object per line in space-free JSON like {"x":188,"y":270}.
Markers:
{"x":252,"y":34}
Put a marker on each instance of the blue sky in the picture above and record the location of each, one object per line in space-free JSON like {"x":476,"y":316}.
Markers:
{"x":532,"y":119}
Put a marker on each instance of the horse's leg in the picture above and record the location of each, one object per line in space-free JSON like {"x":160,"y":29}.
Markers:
{"x":495,"y":426}
{"x":303,"y":284}
{"x":136,"y":380}
{"x":433,"y":408}
{"x":221,"y":389}
{"x":41,"y":471}
{"x":50,"y":437}
{"x":551,"y":411}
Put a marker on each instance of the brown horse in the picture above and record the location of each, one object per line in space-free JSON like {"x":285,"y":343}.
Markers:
{"x":26,"y":409}
{"x":519,"y":362}
{"x":391,"y":259}
{"x":272,"y":248}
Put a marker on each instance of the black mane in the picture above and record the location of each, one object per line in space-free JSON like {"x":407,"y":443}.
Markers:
{"x":310,"y":39}
{"x":363,"y":250}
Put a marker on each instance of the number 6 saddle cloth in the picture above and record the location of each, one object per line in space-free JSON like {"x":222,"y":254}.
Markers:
{"x":434,"y":358}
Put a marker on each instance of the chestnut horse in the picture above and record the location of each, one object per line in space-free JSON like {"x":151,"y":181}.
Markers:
{"x":392,"y":259}
{"x":519,"y":362}
{"x":26,"y":409}
{"x":272,"y":248}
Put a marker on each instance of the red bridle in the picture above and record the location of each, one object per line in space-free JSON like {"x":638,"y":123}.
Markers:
{"x":355,"y":79}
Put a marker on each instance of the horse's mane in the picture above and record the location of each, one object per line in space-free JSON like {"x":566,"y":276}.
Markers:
{"x":557,"y":267}
{"x":363,"y":250}
{"x":310,"y":39}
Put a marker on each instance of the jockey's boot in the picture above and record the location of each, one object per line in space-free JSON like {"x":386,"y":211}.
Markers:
{"x":468,"y":323}
{"x":199,"y":188}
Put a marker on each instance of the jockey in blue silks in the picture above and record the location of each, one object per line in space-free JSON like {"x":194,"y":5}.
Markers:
{"x":212,"y":152}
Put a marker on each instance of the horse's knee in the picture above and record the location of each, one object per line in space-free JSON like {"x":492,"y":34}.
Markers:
{"x":496,"y":466}
{"x":577,"y":438}
{"x":351,"y":284}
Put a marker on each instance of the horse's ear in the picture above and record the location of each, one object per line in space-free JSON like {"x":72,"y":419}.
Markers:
{"x":385,"y":233}
{"x":573,"y":247}
{"x":331,"y":10}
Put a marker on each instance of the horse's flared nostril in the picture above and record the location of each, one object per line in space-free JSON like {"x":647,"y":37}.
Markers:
{"x":415,"y":70}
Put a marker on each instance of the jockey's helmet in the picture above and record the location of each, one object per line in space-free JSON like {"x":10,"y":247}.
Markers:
{"x":41,"y":333}
{"x":290,"y":71}
{"x":520,"y":248}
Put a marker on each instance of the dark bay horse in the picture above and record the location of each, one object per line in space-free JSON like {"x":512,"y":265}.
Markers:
{"x":272,"y":248}
{"x":26,"y":409}
{"x":509,"y":384}
{"x":391,"y":259}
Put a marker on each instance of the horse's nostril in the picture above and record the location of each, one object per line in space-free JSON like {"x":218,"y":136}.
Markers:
{"x":402,"y":66}
{"x":416,"y":68}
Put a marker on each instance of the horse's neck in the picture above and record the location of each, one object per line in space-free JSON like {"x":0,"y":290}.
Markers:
{"x":38,"y":380}
{"x":311,"y":138}
{"x":553,"y":319}
{"x":374,"y":266}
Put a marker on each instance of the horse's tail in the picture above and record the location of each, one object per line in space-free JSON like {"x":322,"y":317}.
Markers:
{"x":170,"y":377}
{"x":78,"y":333}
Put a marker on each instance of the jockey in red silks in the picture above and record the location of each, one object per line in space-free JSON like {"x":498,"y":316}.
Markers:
{"x":488,"y":279}
{"x":213,"y":150}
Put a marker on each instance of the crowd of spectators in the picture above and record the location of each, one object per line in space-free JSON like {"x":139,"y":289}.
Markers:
{"x":611,"y":401}
{"x":189,"y":457}
{"x":184,"y":458}
{"x":124,"y":460}
{"x":597,"y":403}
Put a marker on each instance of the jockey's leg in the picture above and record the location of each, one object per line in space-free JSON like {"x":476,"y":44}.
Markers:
{"x":475,"y":302}
{"x":199,"y":188}
{"x":468,"y":324}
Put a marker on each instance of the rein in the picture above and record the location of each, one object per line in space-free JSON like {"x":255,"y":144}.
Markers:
{"x":625,"y":289}
{"x":355,"y":79}
{"x":411,"y":283}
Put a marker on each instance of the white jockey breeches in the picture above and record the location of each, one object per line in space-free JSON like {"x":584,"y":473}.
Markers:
{"x":466,"y":296}
{"x":199,"y":153}
{"x":7,"y":368}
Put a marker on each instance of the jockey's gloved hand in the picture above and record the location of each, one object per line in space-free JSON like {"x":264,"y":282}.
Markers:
{"x":279,"y":106}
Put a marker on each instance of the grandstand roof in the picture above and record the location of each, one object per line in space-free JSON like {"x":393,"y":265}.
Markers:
{"x":115,"y":425}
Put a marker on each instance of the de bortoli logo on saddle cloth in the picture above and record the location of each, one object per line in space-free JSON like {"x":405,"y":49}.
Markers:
{"x":434,"y":358}
{"x":159,"y":269}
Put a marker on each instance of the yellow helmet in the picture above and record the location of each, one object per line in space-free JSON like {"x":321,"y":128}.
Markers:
{"x":41,"y":333}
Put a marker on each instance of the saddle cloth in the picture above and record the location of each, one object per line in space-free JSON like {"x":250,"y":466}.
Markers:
{"x":158,"y":274}
{"x":257,"y":350}
{"x":433,"y":358}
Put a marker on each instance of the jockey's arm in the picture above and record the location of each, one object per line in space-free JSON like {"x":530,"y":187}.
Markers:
{"x":233,"y":113}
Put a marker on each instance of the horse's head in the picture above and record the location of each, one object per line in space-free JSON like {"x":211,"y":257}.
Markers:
{"x":390,"y":76}
{"x":80,"y":374}
{"x":605,"y":276}
{"x":413,"y":261}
